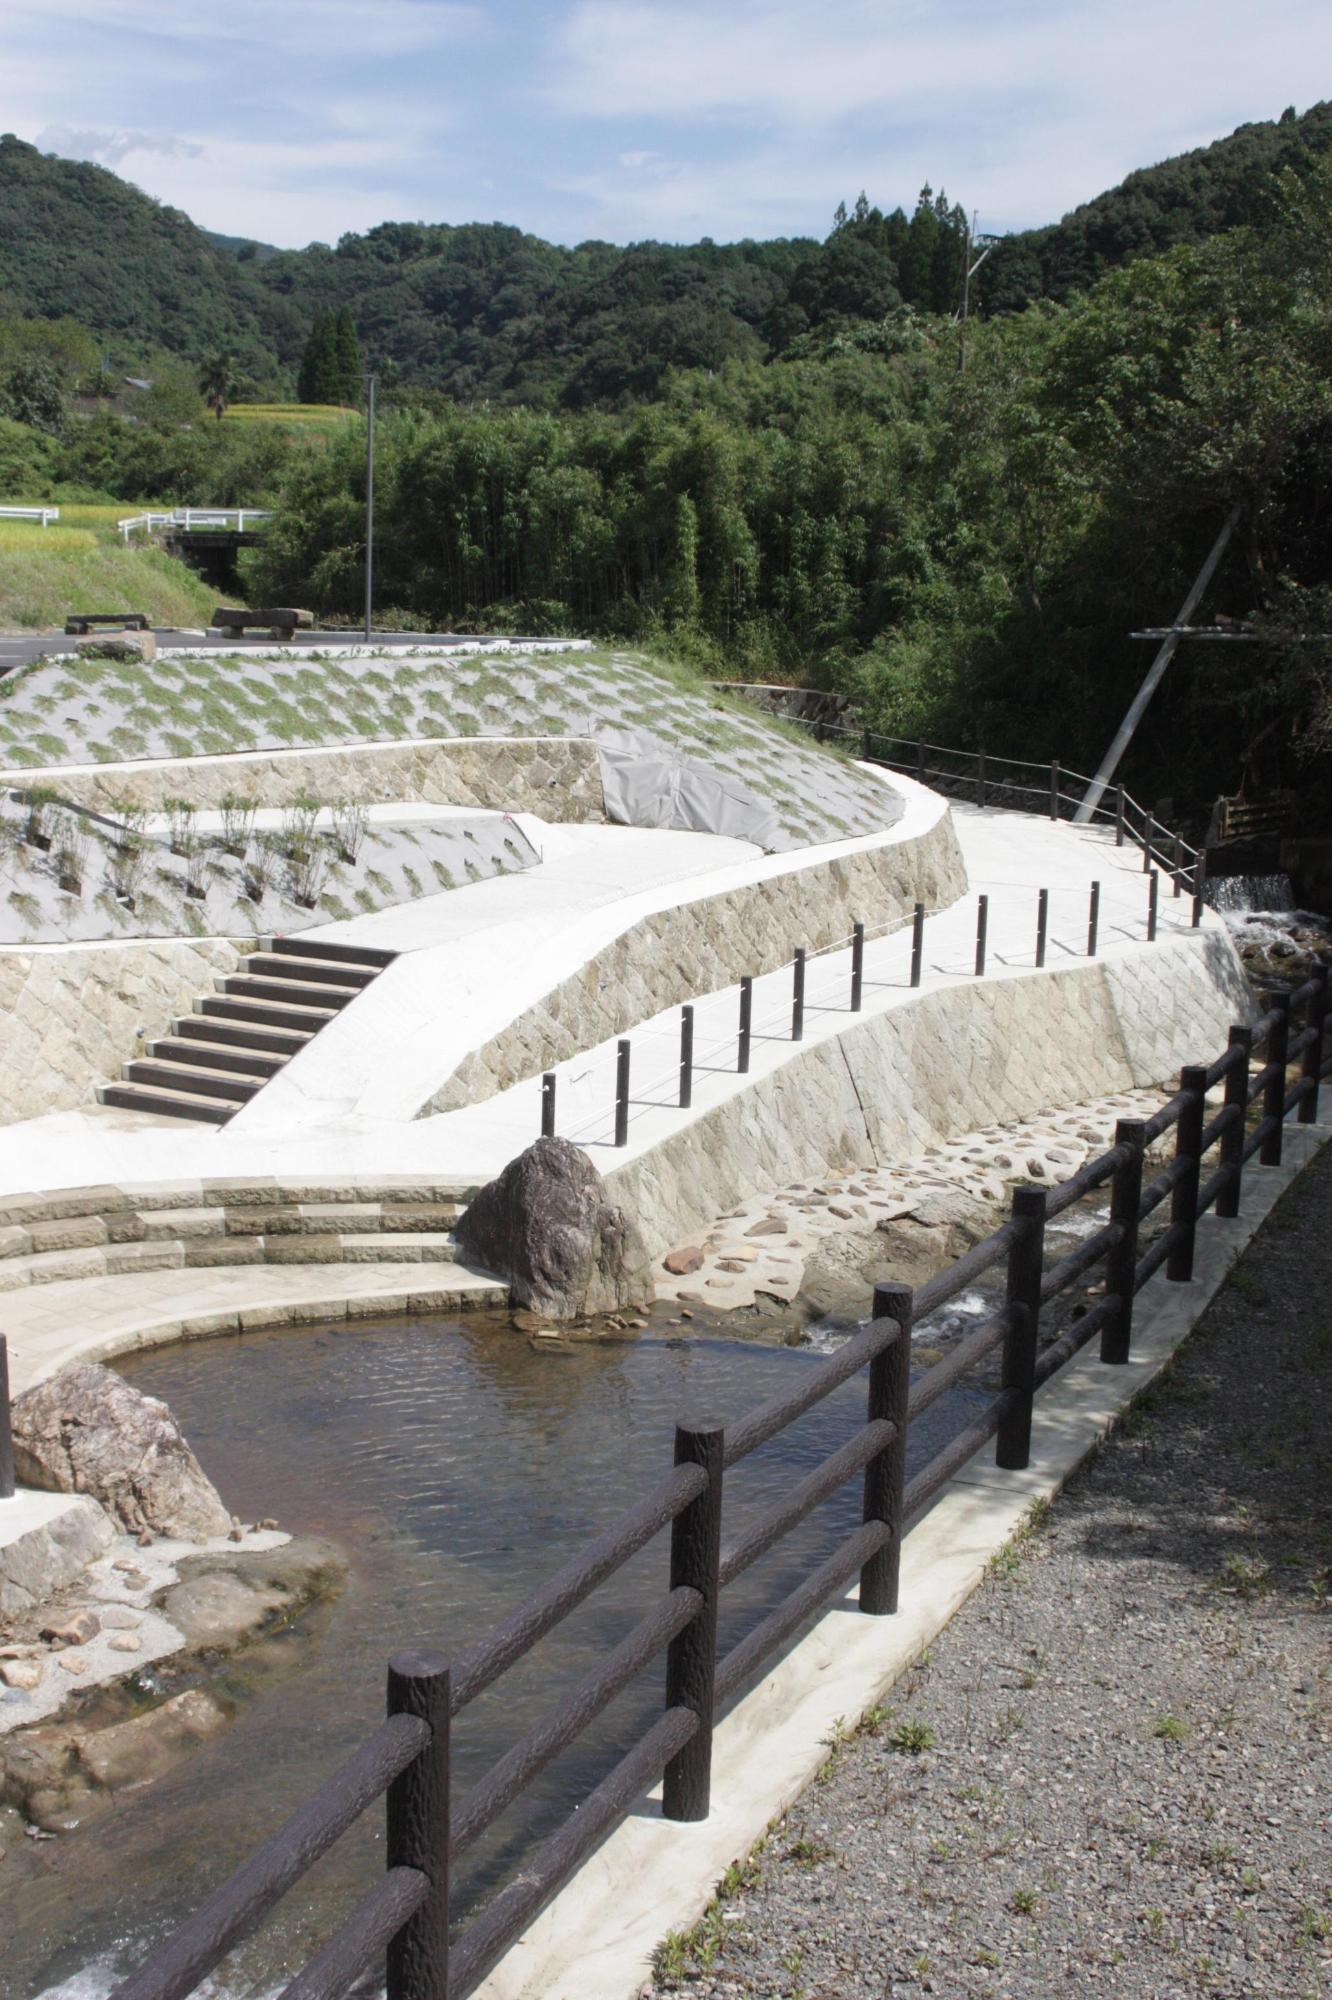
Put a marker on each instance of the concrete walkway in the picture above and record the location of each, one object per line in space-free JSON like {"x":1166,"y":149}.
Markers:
{"x":520,"y":935}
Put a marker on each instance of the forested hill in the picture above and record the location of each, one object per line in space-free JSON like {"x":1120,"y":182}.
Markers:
{"x":483,"y":310}
{"x":1184,"y":200}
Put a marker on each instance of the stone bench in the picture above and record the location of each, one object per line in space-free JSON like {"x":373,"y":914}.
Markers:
{"x":80,"y":623}
{"x":280,"y":622}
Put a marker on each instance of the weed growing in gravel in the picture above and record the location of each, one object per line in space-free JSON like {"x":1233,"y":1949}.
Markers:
{"x":912,"y":1739}
{"x":1024,"y":1902}
{"x":1245,"y":1577}
{"x":1170,"y":1729}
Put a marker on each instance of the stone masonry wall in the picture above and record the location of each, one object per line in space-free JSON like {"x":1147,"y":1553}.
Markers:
{"x":72,"y":1012}
{"x":891,"y":1084}
{"x":555,"y":778}
{"x":677,"y":954}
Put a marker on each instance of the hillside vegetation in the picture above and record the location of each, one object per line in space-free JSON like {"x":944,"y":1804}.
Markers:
{"x":44,"y":579}
{"x":484,"y":309}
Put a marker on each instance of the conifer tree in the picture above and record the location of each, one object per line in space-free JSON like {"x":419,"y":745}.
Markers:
{"x":347,"y":354}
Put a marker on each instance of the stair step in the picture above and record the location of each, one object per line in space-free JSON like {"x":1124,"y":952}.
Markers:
{"x":269,"y":1013}
{"x":114,"y":1260}
{"x":190,"y":1078}
{"x":168,"y":1103}
{"x":246,"y":1035}
{"x":215,"y":1056}
{"x":341,"y":1218}
{"x":328,"y":972}
{"x":343,"y":954}
{"x":300,"y":992}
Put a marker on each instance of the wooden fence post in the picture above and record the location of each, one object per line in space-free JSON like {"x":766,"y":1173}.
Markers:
{"x":1232,"y":1141}
{"x":1121,"y":1261}
{"x":885,"y":1475}
{"x":691,"y":1659}
{"x":1274,"y":1097}
{"x":418,"y":1829}
{"x":1188,"y":1153}
{"x":1026,"y":1261}
{"x":1312,"y":1066}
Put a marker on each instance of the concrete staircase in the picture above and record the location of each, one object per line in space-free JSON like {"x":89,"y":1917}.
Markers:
{"x":215,"y":1059}
{"x":110,"y":1232}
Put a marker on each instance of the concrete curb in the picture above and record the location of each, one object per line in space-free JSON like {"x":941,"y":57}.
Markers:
{"x":595,"y":1941}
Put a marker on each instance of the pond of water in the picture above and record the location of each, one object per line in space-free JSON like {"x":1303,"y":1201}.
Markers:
{"x":455,"y":1466}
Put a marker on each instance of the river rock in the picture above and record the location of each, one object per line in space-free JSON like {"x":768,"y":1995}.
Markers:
{"x":137,"y":1751}
{"x":546,"y":1226}
{"x":75,"y":1630}
{"x":681,"y":1262}
{"x":84,"y":1430}
{"x":26,"y":1674}
{"x":223,"y":1600}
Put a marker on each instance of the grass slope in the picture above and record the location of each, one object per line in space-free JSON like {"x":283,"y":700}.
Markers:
{"x":214,"y":703}
{"x":40,"y":586}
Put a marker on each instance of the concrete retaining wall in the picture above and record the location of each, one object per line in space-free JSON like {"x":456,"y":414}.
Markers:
{"x":72,"y":1012}
{"x":694,"y":947}
{"x":991,"y":1052}
{"x":556,"y":778}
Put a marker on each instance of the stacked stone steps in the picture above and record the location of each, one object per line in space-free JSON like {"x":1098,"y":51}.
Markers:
{"x":213,"y":1062}
{"x":109,"y":1232}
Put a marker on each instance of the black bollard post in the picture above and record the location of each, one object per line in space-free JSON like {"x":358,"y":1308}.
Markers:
{"x":1042,"y":925}
{"x":798,"y":997}
{"x":982,"y":927}
{"x":857,"y":966}
{"x":548,"y":1105}
{"x":1093,"y":919}
{"x":622,"y":1093}
{"x":917,"y":943}
{"x":1119,"y":815}
{"x":1199,"y":886}
{"x":1153,"y":904}
{"x":746,"y":1025}
{"x":686,"y":1057}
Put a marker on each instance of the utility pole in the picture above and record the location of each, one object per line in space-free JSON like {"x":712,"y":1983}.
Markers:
{"x":969,"y":271}
{"x":1137,"y":707}
{"x":369,"y":506}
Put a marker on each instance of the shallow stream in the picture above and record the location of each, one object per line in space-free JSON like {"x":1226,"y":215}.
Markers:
{"x":455,"y":1465}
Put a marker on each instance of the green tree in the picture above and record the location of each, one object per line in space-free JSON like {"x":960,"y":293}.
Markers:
{"x":347,"y":350}
{"x":217,"y":383}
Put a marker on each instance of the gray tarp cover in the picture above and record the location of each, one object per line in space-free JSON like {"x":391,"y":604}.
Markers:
{"x":647,"y":784}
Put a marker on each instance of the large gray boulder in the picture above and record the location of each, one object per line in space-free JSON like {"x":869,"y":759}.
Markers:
{"x":84,"y":1430}
{"x":546,"y":1226}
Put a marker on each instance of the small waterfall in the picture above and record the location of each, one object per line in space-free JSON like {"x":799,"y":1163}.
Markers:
{"x":1231,"y":895}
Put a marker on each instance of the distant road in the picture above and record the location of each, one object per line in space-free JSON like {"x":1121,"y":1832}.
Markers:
{"x":19,"y":649}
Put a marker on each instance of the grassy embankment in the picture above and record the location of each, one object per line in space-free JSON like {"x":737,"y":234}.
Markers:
{"x":82,"y":565}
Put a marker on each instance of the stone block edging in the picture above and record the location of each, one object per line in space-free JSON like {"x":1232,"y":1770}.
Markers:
{"x":551,"y":777}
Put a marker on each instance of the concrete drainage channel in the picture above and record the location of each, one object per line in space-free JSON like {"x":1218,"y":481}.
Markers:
{"x":216,"y":1058}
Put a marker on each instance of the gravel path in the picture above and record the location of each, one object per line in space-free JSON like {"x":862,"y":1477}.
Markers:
{"x":1113,"y":1774}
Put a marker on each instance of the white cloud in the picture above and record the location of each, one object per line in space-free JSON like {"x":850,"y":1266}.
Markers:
{"x":635,"y":160}
{"x":314,"y":30}
{"x":108,"y":149}
{"x":800,"y":65}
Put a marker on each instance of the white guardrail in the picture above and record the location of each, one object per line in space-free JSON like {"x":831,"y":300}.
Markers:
{"x":43,"y":514}
{"x":193,"y":517}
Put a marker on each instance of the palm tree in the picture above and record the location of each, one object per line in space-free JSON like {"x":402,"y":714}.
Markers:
{"x":217,"y":382}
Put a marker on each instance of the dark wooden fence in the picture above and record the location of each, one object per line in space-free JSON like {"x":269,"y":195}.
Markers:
{"x":403,"y":1923}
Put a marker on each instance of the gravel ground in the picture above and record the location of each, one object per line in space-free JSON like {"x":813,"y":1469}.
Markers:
{"x":1113,"y":1772}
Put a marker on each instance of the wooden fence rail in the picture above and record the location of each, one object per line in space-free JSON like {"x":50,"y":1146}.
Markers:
{"x":403,"y":1923}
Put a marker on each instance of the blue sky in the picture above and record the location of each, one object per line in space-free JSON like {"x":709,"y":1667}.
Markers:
{"x":294,"y":120}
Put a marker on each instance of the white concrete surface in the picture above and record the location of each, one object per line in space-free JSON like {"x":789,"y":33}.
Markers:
{"x":596,"y":1939}
{"x":473,"y":957}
